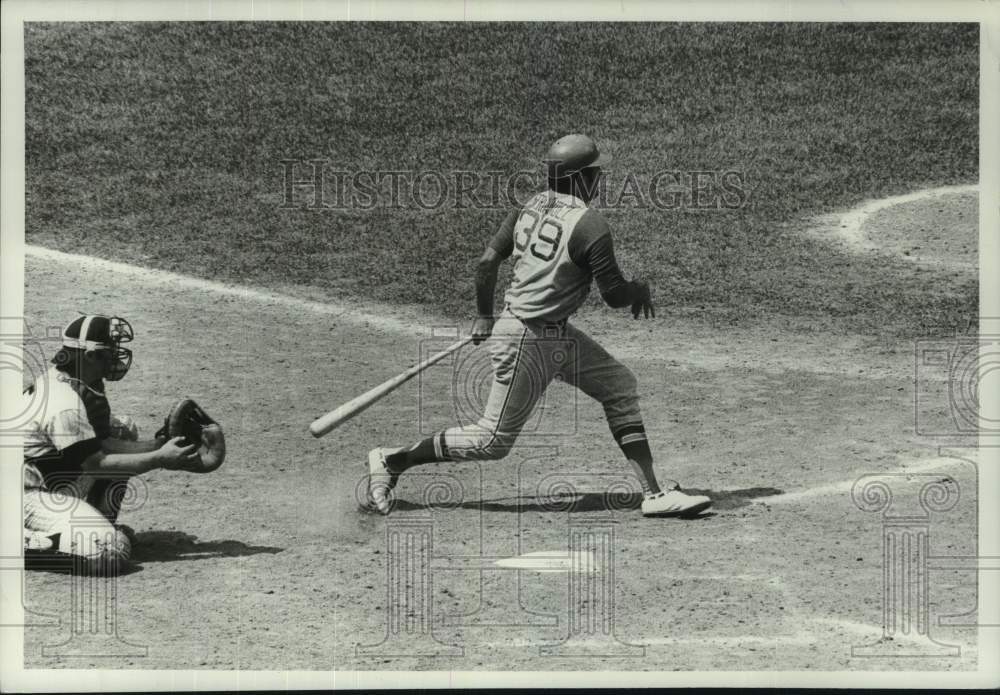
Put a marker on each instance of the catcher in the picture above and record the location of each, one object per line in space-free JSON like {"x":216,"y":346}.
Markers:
{"x":78,"y":458}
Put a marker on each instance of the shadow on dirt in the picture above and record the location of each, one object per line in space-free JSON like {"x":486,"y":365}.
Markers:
{"x":59,"y":563}
{"x":168,"y":546}
{"x":733,"y":499}
{"x":152,"y":546}
{"x":594,"y":501}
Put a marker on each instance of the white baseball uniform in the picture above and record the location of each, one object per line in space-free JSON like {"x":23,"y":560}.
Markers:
{"x":70,"y":420}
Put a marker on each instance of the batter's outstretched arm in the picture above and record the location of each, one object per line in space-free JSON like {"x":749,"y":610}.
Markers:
{"x":486,"y":281}
{"x":486,"y":284}
{"x":500,"y":248}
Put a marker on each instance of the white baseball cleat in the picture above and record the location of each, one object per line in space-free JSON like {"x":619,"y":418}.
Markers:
{"x":380,"y":482}
{"x":674,"y":503}
{"x":38,"y":541}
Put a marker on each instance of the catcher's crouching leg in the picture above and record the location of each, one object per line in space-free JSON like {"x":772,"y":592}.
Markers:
{"x":105,"y":494}
{"x":105,"y":555}
{"x":80,"y":533}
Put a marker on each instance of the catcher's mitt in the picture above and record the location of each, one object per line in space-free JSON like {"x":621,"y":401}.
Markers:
{"x":188,"y":420}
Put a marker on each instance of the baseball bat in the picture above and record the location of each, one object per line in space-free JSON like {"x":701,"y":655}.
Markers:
{"x":327,"y":423}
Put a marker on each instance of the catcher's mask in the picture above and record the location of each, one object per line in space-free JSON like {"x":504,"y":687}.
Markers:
{"x":102,"y":333}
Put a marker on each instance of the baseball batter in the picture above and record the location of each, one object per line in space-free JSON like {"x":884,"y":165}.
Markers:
{"x":559,"y":246}
{"x":78,"y":458}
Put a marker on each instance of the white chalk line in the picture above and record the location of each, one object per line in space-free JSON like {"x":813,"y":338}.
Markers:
{"x":797,"y":638}
{"x":867,"y":633}
{"x":351,"y":313}
{"x":849,"y":228}
{"x":845,"y":486}
{"x":868,"y":630}
{"x":355,"y":315}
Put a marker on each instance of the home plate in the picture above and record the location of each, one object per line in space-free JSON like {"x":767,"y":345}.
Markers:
{"x":548,"y":561}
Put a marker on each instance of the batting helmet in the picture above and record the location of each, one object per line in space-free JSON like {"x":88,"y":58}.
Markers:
{"x":572,"y":153}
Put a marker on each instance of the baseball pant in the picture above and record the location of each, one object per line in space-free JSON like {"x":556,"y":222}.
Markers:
{"x":80,"y":529}
{"x":526,"y":356}
{"x":80,"y":516}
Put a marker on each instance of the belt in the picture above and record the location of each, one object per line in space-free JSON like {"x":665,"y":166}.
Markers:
{"x":547,"y":326}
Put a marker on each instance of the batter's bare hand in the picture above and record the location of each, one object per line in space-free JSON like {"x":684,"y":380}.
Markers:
{"x":642,"y":302}
{"x":174,"y":456}
{"x":482,"y":329}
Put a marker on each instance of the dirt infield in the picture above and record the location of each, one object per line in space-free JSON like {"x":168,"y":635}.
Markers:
{"x":934,"y":227}
{"x":940,"y":231}
{"x":267,"y":564}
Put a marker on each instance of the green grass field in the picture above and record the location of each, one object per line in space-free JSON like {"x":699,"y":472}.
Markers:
{"x":162,"y":145}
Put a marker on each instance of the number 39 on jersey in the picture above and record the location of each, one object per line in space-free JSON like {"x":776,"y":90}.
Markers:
{"x":540,"y":232}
